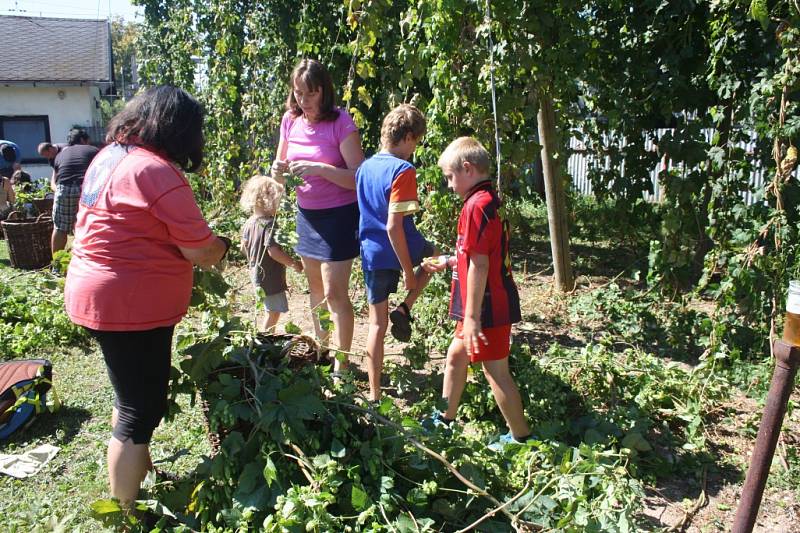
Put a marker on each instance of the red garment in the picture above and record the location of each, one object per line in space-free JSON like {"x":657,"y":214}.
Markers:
{"x":498,"y":343}
{"x":482,"y":231}
{"x":127,"y":273}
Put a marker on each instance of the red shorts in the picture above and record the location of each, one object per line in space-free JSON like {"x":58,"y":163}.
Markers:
{"x":498,"y":343}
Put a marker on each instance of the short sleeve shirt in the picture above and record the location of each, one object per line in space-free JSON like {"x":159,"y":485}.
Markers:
{"x":258,"y":235}
{"x":127,"y":272}
{"x":71,"y":163}
{"x":482,"y":231}
{"x":386,"y":184}
{"x":58,"y":147}
{"x":318,"y":142}
{"x":17,"y":154}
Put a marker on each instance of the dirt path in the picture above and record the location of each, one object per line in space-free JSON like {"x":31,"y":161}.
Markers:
{"x":667,"y":504}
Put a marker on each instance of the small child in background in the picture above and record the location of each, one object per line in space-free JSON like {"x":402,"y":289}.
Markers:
{"x":386,"y":185}
{"x":261,"y":197}
{"x":483,"y":296}
{"x":21,"y":181}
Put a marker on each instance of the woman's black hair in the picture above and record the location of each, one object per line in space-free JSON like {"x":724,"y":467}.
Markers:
{"x":313,"y":75}
{"x":166,"y":119}
{"x":8,"y":152}
{"x":77,"y":136}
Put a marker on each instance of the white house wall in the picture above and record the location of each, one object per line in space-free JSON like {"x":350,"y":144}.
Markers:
{"x":77,"y":107}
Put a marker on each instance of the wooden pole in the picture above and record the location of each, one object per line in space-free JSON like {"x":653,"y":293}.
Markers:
{"x":554,"y":193}
{"x":787,"y":360}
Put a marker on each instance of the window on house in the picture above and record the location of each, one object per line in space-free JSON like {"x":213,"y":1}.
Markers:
{"x":27,"y":132}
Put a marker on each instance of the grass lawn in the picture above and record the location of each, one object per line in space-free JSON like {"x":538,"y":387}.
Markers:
{"x":64,"y":490}
{"x":4,"y":261}
{"x":77,"y":476}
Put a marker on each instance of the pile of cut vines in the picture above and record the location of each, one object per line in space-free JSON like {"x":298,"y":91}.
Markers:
{"x":300,"y":452}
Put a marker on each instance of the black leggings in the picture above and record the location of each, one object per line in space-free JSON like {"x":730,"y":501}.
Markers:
{"x":138,"y":364}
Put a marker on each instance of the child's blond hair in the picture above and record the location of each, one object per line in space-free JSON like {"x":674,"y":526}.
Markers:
{"x":262,"y":192}
{"x":401,"y":121}
{"x":465,"y":150}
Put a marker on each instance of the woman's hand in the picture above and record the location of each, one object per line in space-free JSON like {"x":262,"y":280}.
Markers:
{"x":304,"y":168}
{"x":208,"y":255}
{"x":279,"y":168}
{"x":297,"y":266}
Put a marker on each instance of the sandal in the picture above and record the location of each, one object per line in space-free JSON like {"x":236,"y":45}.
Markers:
{"x":164,"y":476}
{"x":401,"y":323}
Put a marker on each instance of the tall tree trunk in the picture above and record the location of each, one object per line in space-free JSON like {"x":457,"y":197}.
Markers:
{"x":554,"y":192}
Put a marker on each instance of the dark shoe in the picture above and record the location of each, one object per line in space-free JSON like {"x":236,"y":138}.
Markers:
{"x":436,"y":422}
{"x":401,"y":323}
{"x":164,"y":476}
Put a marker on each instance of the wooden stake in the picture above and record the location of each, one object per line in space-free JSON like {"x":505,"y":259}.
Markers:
{"x":554,"y":192}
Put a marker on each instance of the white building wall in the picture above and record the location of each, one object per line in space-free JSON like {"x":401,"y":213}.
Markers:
{"x":77,"y":107}
{"x":65,"y":107}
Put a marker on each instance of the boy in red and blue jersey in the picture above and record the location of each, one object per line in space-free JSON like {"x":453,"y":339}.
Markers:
{"x":386,"y":185}
{"x":483,"y":296}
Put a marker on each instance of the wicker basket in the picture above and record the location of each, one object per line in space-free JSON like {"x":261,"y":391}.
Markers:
{"x":28,"y":240}
{"x":270,"y":351}
{"x":43,"y":205}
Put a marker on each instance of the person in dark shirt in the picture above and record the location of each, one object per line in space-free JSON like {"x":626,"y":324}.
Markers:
{"x":261,"y":197}
{"x":69,"y":168}
{"x":49,"y":151}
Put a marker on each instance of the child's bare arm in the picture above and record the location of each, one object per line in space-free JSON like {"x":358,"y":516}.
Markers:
{"x":397,"y":237}
{"x":279,"y":255}
{"x":477,"y":274}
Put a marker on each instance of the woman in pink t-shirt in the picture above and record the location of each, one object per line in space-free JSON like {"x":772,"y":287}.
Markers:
{"x":129,"y":282}
{"x":320,"y":143}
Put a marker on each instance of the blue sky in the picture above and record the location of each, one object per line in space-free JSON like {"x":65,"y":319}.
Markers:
{"x":92,"y":9}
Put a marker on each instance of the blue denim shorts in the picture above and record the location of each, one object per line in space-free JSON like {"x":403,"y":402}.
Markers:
{"x":383,"y":282}
{"x":328,"y":234}
{"x":380,"y":284}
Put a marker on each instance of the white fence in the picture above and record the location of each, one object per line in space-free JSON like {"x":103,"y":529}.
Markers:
{"x":580,"y":160}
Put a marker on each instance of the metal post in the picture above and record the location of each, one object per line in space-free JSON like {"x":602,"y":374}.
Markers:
{"x":787,"y":360}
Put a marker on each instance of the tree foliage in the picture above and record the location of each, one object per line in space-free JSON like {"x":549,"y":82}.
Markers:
{"x":698,"y":81}
{"x":124,"y":39}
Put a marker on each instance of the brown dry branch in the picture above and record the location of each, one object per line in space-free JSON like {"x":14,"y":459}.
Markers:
{"x":700,"y":502}
{"x":386,"y":518}
{"x":782,"y":452}
{"x":303,"y":463}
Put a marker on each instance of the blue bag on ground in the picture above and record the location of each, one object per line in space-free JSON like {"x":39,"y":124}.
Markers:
{"x":24,"y":389}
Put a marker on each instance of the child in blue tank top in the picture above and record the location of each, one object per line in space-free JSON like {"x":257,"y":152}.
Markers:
{"x":386,"y":185}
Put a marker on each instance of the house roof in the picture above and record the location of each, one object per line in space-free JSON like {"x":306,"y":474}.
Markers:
{"x":54,"y":49}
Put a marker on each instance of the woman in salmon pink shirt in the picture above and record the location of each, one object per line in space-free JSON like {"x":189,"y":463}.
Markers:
{"x":138,"y":233}
{"x":320,"y":144}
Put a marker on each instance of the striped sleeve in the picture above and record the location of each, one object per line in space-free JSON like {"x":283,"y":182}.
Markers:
{"x":403,"y":196}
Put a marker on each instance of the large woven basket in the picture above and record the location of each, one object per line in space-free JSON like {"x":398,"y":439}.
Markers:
{"x":271,"y":351}
{"x":43,"y":205}
{"x":28,"y":240}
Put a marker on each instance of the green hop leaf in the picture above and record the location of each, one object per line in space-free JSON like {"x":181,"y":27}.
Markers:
{"x":358,"y":498}
{"x":760,"y":12}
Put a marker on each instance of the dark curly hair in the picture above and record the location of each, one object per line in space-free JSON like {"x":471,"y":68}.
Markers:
{"x":77,"y":136}
{"x":166,"y":119}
